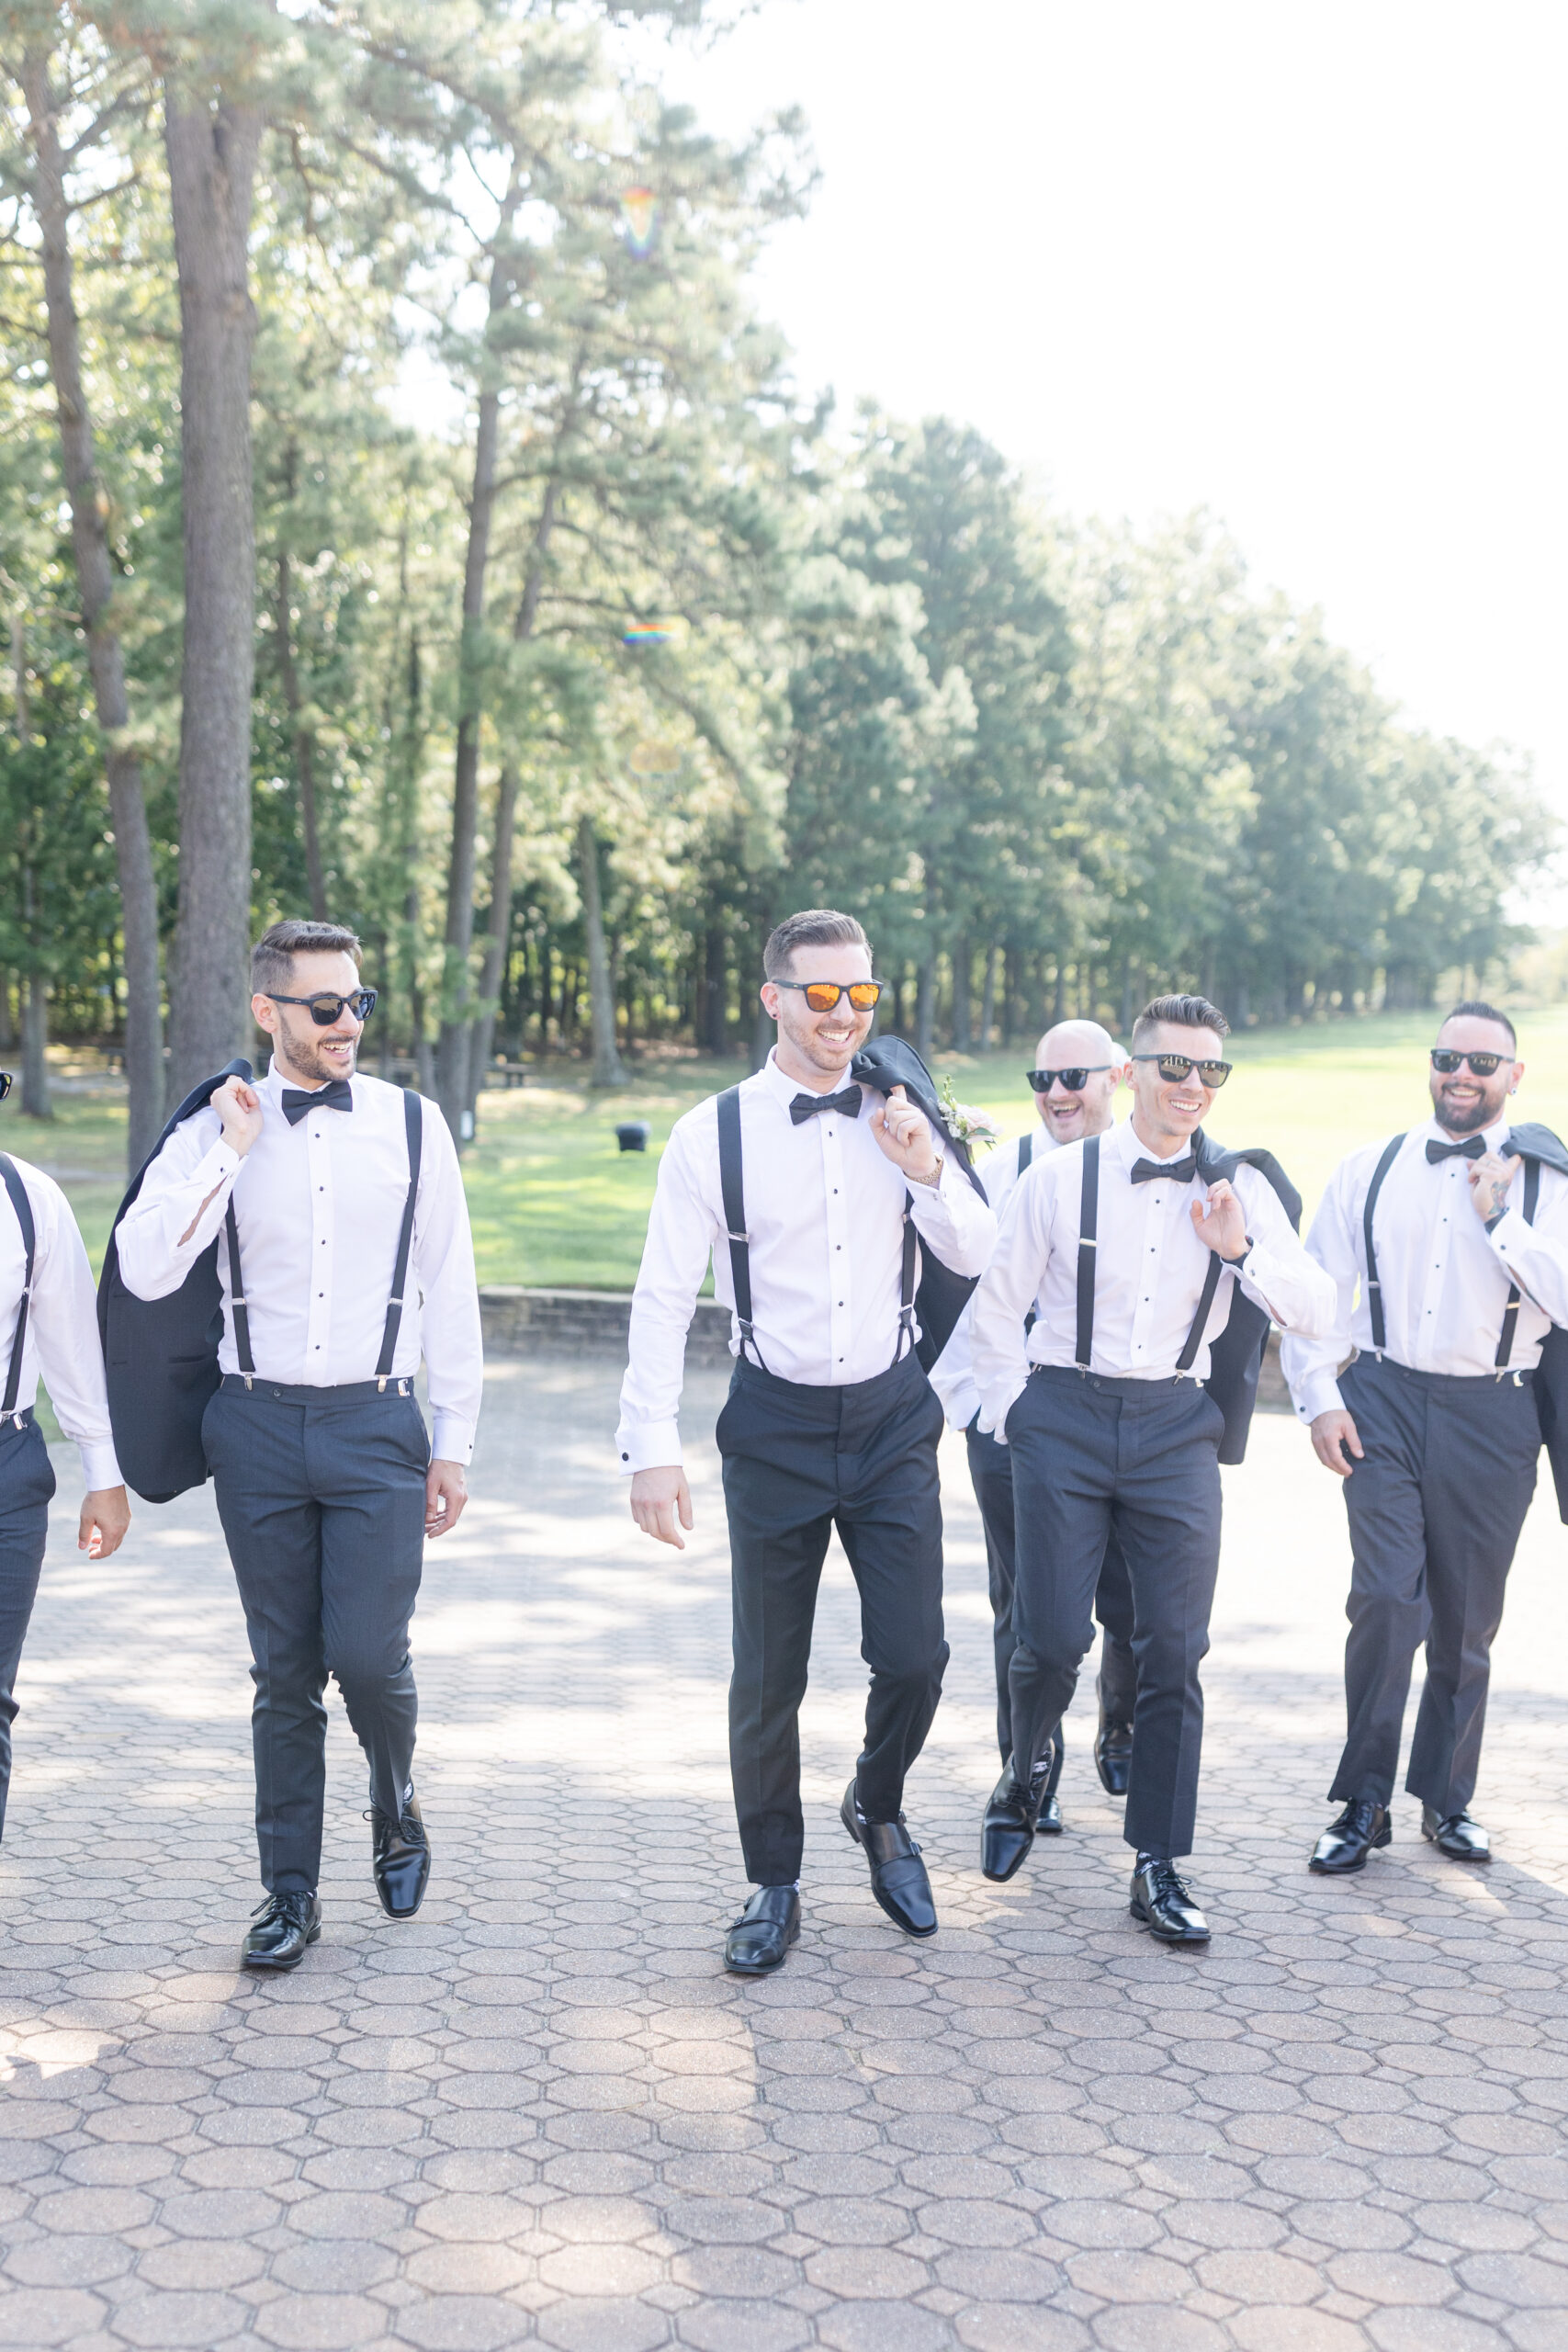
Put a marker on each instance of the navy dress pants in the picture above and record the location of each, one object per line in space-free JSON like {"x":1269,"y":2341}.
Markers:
{"x":27,"y":1488}
{"x":1435,"y":1509}
{"x":1139,"y":1460}
{"x":799,"y":1461}
{"x":321,"y":1495}
{"x":990,"y":1473}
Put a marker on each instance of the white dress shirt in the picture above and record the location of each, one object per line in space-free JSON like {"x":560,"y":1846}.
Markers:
{"x":825,"y":1211}
{"x":1445,"y":1279}
{"x":63,"y":1323}
{"x":952,"y":1374}
{"x":318,"y":1207}
{"x":1150,"y":1267}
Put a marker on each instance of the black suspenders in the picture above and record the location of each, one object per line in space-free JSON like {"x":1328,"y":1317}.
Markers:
{"x":1089,"y":1221}
{"x":1511,"y":1312}
{"x":1374,"y":1288}
{"x":11,"y":1177}
{"x":1025,"y":1152}
{"x":732,"y":1190}
{"x":413,"y":1128}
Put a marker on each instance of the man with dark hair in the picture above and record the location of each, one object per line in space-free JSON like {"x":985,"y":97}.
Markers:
{"x":48,"y":1323}
{"x":1078,"y":1070}
{"x":810,"y":1212}
{"x":1130,"y":1276}
{"x":343,"y":1249}
{"x":1447,"y":1247}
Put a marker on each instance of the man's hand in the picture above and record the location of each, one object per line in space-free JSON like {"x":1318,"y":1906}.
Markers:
{"x":446,"y":1492}
{"x":106,"y":1515}
{"x":239,"y":1107}
{"x":1331,"y":1434}
{"x":1220,"y":1222}
{"x":905,"y":1135}
{"x":1489,"y":1180}
{"x":657,"y":1498}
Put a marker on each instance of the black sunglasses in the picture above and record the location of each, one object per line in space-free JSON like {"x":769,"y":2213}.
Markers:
{"x":326,"y":1010}
{"x":1180,"y":1066}
{"x":1043,"y":1080}
{"x":5,"y":1083}
{"x":1445,"y":1061}
{"x":823,"y":995}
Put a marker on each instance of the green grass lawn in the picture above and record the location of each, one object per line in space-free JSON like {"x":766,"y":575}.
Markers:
{"x":554,"y":1203}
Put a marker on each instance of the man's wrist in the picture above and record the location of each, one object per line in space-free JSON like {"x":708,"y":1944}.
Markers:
{"x":1496,"y":1219}
{"x":1241,"y":1255}
{"x":935,"y":1176}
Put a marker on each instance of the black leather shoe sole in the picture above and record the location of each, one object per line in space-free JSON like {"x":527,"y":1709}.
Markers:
{"x":280,"y":1963}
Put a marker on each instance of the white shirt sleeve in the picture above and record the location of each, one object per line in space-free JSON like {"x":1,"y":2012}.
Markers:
{"x":957,"y":1224}
{"x":1311,"y":1362}
{"x":64,"y":1317}
{"x":1536,"y":1256}
{"x":1008,"y":1290}
{"x":155,"y":1254}
{"x":443,"y":1263}
{"x":1278,"y":1274}
{"x":682,"y":1233}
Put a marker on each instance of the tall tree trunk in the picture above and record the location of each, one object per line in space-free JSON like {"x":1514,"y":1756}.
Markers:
{"x":457,"y":991}
{"x":989,"y":998}
{"x":36,"y":1103}
{"x":963,"y":985}
{"x":608,"y":1068}
{"x":716,"y":993}
{"x":212,"y":154}
{"x":106,"y":660}
{"x":1128,"y":1007}
{"x":303,"y":738}
{"x":7,"y":1034}
{"x":925,"y":1004}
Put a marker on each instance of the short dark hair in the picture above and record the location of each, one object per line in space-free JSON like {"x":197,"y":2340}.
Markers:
{"x":272,"y":958}
{"x":813,"y":927}
{"x":1472,"y":1009}
{"x":1179,"y":1012}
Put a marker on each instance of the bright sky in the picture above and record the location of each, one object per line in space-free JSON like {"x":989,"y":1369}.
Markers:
{"x":1303,"y":266}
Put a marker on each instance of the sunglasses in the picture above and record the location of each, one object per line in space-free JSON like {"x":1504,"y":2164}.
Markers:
{"x":324,"y":1009}
{"x":1176,"y":1067}
{"x":5,"y":1083}
{"x":823,"y":995}
{"x":1445,"y":1062}
{"x":1043,"y":1080}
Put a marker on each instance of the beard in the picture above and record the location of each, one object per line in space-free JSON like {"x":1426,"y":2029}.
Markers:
{"x":1456,"y":1121}
{"x":306,"y":1058}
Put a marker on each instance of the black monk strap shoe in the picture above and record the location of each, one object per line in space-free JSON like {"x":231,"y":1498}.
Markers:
{"x":762,"y":1934}
{"x":1161,"y":1901}
{"x":1462,"y":1839}
{"x":1012,"y":1815}
{"x":1113,"y":1756}
{"x":399,"y":1859}
{"x":899,"y":1877}
{"x":286,"y":1925}
{"x":1360,"y":1830}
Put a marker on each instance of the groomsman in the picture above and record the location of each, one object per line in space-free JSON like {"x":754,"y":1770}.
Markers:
{"x":1078,"y":1067}
{"x":1447,"y":1247}
{"x":48,"y":1322}
{"x":1129,"y":1247}
{"x":810,"y":1194}
{"x":343,"y":1251}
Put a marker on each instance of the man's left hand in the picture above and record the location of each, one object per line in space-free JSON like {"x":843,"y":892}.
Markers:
{"x":1220,"y":1222}
{"x":905,"y":1135}
{"x":1489,"y":1180}
{"x":106,"y":1515}
{"x":446,"y":1492}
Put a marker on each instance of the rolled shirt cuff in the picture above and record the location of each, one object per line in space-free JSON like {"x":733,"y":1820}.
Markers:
{"x":1510,"y":1227}
{"x":648,"y":1445}
{"x":100,"y":1464}
{"x":451,"y":1438}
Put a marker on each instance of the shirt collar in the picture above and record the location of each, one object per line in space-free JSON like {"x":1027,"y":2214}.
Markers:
{"x":273,"y":1084}
{"x":1492,"y":1137}
{"x":783,"y":1088}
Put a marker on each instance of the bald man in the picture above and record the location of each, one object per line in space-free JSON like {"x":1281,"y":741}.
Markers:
{"x":1078,"y":1067}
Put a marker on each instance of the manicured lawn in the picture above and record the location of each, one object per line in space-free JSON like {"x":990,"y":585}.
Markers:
{"x":554,"y":1203}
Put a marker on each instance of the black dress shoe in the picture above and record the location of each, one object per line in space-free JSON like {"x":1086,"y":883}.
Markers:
{"x":1163,"y":1903}
{"x":1361,"y":1828}
{"x":285,"y":1925}
{"x":1012,"y":1815}
{"x":1049,"y":1822}
{"x":1462,"y":1839}
{"x":764,"y":1932}
{"x":1113,"y":1755}
{"x":899,"y":1877}
{"x":399,"y":1859}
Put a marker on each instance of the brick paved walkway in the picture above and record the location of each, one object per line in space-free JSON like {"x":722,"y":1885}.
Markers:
{"x":540,"y":2112}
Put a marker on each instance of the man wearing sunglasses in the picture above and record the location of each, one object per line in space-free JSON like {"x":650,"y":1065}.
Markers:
{"x":1129,"y":1248}
{"x":343,"y":1253}
{"x":1448,"y":1247}
{"x":1079,"y":1069}
{"x":48,"y":1323}
{"x":797,"y":1184}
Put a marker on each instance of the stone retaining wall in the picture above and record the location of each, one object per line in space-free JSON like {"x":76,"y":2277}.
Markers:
{"x":519,"y":1322}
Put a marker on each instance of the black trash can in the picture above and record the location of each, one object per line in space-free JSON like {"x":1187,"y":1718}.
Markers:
{"x":632,"y":1135}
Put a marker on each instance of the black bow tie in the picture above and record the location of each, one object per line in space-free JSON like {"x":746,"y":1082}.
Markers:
{"x":806,"y":1106}
{"x":1179,"y":1171}
{"x":1473,"y":1147}
{"x":335,"y":1095}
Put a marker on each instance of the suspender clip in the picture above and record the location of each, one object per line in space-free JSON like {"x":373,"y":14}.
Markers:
{"x":382,"y":1385}
{"x":738,"y":1237}
{"x":249,"y":1382}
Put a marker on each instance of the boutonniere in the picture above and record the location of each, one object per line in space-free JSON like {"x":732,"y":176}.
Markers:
{"x":964,"y":1123}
